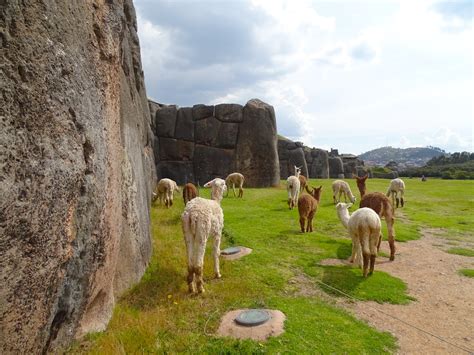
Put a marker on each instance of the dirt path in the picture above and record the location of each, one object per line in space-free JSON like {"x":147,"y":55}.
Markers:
{"x":444,"y":299}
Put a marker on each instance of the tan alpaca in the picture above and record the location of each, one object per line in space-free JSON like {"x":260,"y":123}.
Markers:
{"x":382,"y":206}
{"x":303,"y":182}
{"x":189,"y":192}
{"x":235,"y":179}
{"x":307,"y":207}
{"x":364,"y":229}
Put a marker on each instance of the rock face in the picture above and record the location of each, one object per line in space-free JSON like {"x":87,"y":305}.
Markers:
{"x":76,"y":160}
{"x":316,"y":163}
{"x":203,"y":142}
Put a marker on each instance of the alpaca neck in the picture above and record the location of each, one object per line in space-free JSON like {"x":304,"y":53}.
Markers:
{"x":344,"y":216}
{"x":217,"y":196}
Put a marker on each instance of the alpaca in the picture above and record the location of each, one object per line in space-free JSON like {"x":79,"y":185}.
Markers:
{"x":235,"y":179}
{"x":307,"y":207}
{"x":364,"y":228}
{"x":303,"y":182}
{"x":397,"y":186}
{"x":382,"y":206}
{"x":201,"y":219}
{"x":164,"y":190}
{"x":217,"y":186}
{"x":293,"y":188}
{"x":361,"y":184}
{"x":189,"y":192}
{"x":340,"y":187}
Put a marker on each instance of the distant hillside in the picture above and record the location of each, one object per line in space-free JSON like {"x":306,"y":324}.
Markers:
{"x":450,"y":166}
{"x":407,"y":157}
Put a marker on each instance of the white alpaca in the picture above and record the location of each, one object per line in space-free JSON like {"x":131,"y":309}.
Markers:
{"x":293,"y":188}
{"x":397,"y":186}
{"x":364,"y":228}
{"x":201,"y":219}
{"x":340,"y":187}
{"x":235,"y":179}
{"x":165,"y":190}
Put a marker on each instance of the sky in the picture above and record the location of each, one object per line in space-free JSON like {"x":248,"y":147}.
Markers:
{"x":351,"y":75}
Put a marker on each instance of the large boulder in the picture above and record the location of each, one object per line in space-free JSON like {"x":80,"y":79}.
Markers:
{"x":229,"y":113}
{"x":180,"y":171}
{"x":320,"y":165}
{"x":185,"y":124}
{"x":256,"y":155}
{"x":210,"y":162}
{"x":165,"y":121}
{"x":205,"y":131}
{"x":76,"y":164}
{"x":336,"y":167}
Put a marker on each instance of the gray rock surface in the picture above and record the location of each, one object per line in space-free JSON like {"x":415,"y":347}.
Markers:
{"x":229,"y":113}
{"x":185,"y":124}
{"x":336,"y":168}
{"x":165,"y":121}
{"x":76,"y":160}
{"x":256,"y":152}
{"x":210,"y":162}
{"x":202,"y":111}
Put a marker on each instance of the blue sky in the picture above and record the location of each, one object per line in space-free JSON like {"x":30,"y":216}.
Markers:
{"x":352,"y":75}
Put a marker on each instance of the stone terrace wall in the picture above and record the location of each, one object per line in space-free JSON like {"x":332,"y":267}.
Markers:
{"x":316,"y":163}
{"x":196,"y":144}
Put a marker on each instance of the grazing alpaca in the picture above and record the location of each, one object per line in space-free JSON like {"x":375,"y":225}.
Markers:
{"x":307,"y":207}
{"x":340,"y":187}
{"x":203,"y":218}
{"x":293,"y":188}
{"x":364,"y":229}
{"x":235,"y":179}
{"x":189,"y":192}
{"x":397,"y":186}
{"x":164,"y":190}
{"x":303,"y":182}
{"x":382,"y":206}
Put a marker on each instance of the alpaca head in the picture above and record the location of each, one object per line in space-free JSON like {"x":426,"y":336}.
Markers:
{"x":218,"y":187}
{"x":316,"y":193}
{"x":361,"y":184}
{"x":297,"y":170}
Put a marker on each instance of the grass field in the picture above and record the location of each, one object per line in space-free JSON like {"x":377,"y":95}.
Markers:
{"x":158,"y":316}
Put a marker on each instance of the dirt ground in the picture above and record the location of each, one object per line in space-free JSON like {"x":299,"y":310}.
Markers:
{"x":444,"y":303}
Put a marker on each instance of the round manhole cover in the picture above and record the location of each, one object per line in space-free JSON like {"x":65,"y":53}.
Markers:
{"x":252,"y":317}
{"x":230,"y":251}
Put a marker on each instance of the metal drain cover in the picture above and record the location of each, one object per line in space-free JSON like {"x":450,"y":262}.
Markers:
{"x":230,"y":251}
{"x":252,"y":317}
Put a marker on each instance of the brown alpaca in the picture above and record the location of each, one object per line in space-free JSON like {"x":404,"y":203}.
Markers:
{"x":307,"y":206}
{"x":189,"y":192}
{"x":303,"y":182}
{"x":382,"y":206}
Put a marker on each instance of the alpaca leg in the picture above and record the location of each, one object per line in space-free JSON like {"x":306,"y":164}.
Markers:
{"x":379,"y":242}
{"x":241,"y":192}
{"x":216,"y":253}
{"x":402,"y":193}
{"x":310,"y":222}
{"x":190,"y":279}
{"x":302,"y":220}
{"x":391,"y":237}
{"x":366,"y":263}
{"x":233,"y":189}
{"x":398,"y":200}
{"x":372,"y":264}
{"x":199,"y":281}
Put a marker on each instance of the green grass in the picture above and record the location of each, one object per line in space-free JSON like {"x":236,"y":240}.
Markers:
{"x":158,"y":315}
{"x":467,"y":272}
{"x":461,"y":251}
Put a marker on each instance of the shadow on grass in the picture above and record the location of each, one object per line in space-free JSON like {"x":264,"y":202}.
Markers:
{"x":342,"y":278}
{"x":154,"y":287}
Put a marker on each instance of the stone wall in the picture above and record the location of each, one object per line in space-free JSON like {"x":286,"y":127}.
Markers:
{"x":196,"y":144}
{"x":316,"y":163}
{"x":76,"y":166}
